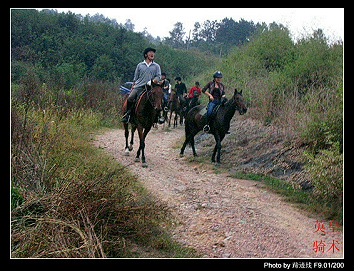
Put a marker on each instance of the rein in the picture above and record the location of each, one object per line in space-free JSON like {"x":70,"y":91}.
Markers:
{"x":150,"y":97}
{"x":233,"y":103}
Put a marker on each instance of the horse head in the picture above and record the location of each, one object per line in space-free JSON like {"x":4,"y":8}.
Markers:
{"x":239,"y":102}
{"x":156,"y":95}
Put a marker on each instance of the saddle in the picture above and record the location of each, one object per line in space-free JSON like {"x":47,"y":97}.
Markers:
{"x":203,"y":111}
{"x":135,"y":106}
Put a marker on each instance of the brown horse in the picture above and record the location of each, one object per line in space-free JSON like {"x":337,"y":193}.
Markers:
{"x":175,"y":106}
{"x":219,"y":125}
{"x":145,"y":114}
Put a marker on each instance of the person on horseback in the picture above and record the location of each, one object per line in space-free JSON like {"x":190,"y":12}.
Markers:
{"x":193,"y":95}
{"x":166,"y":90}
{"x":145,"y":72}
{"x":216,"y":93}
{"x":194,"y":91}
{"x":181,"y":89}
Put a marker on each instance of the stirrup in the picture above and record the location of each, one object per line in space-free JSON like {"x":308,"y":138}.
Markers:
{"x":161,"y":120}
{"x":206,"y":128}
{"x":126,"y":117}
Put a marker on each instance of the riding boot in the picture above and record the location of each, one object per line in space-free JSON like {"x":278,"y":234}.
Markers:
{"x":126,"y":116}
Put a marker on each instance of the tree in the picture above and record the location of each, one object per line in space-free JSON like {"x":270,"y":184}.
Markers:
{"x":176,"y":36}
{"x":231,"y":33}
{"x":129,"y":25}
{"x":208,"y":30}
{"x":220,"y":37}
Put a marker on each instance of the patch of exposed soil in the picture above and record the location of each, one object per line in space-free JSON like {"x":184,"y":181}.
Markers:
{"x":217,"y":215}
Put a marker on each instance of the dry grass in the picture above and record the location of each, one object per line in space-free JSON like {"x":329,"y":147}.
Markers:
{"x":70,"y":200}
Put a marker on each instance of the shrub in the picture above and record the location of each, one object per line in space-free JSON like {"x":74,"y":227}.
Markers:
{"x":326,"y":172}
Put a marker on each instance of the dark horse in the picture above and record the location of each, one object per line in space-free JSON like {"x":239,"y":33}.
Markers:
{"x":219,"y":125}
{"x":145,"y":114}
{"x":175,"y":106}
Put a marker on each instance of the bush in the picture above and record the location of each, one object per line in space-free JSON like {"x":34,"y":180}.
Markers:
{"x":297,"y":85}
{"x":326,"y":172}
{"x":273,"y":48}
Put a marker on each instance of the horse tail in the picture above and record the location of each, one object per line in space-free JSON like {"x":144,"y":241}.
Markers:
{"x":191,"y":124}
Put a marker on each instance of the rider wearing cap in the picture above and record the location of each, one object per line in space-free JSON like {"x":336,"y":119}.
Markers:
{"x":145,"y":72}
{"x":216,"y":92}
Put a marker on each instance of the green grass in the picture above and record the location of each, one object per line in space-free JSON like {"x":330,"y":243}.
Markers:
{"x":303,"y":199}
{"x":70,"y":199}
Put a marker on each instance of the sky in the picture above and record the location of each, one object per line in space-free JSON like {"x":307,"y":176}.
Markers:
{"x":159,"y":21}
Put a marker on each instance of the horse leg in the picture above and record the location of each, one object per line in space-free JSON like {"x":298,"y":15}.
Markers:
{"x":126,"y":134}
{"x":132,"y":138}
{"x":189,"y":139}
{"x":175,"y":121}
{"x":219,"y":149}
{"x":216,"y":148}
{"x":142,"y":144}
{"x":185,"y":144}
{"x":165,"y":117}
{"x":192,"y":144}
{"x":169,"y":120}
{"x":140,"y":132}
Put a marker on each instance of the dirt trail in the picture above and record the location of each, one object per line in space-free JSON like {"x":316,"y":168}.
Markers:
{"x":220,"y":216}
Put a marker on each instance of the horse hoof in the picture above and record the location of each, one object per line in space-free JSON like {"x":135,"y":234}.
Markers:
{"x":181,"y":155}
{"x":126,"y":153}
{"x":137,"y":159}
{"x":145,"y":165}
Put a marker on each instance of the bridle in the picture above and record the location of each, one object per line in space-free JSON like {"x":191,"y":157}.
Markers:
{"x":150,"y":93}
{"x":236,"y":107}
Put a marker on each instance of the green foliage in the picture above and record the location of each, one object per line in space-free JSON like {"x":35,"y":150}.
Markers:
{"x":293,"y":85}
{"x":299,"y":87}
{"x":326,"y":170}
{"x":16,"y":197}
{"x":273,"y":48}
{"x":212,"y":36}
{"x":64,"y":49}
{"x":71,"y":48}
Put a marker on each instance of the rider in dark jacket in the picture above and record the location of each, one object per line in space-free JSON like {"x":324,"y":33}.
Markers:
{"x":181,"y":88}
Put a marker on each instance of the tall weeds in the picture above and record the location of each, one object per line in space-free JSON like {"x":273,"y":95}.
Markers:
{"x":68,"y":198}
